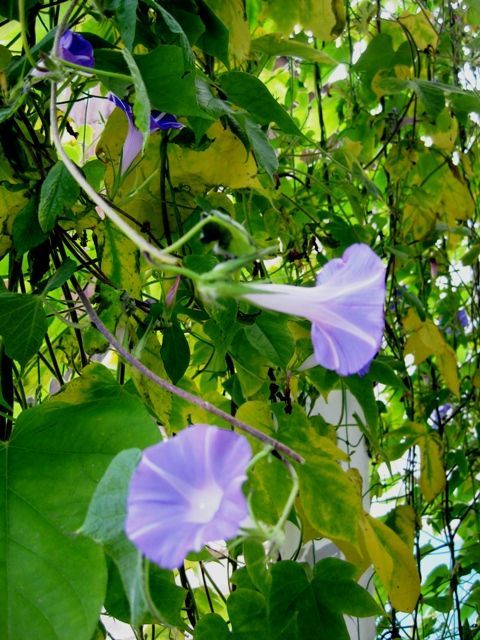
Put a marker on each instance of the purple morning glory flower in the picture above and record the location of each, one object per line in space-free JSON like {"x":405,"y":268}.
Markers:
{"x":187,"y":491}
{"x":161,"y":120}
{"x":74,"y":48}
{"x":134,"y":140}
{"x":438,"y":416}
{"x":346,"y":308}
{"x":462,"y":318}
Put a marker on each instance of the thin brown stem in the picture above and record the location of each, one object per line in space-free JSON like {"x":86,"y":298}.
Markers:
{"x":181,"y":393}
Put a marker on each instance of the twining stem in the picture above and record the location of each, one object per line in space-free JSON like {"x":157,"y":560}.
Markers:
{"x":97,"y":72}
{"x":181,"y":393}
{"x":22,"y":16}
{"x":288,"y":505}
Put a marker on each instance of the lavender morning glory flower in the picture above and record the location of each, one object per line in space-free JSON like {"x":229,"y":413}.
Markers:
{"x":134,"y":140}
{"x":438,"y":416}
{"x":187,"y":491}
{"x":346,"y":308}
{"x":462,"y":318}
{"x":74,"y":48}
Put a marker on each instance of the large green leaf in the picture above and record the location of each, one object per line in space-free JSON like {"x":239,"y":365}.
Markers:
{"x":170,"y":85}
{"x":295,"y":613}
{"x":212,"y":627}
{"x":214,"y":40}
{"x":23,"y":325}
{"x":105,"y":524}
{"x":59,"y":192}
{"x":53,"y":582}
{"x":126,"y":15}
{"x":248,"y":614}
{"x":336,"y":589}
{"x":26,"y":230}
{"x":251,"y":94}
{"x":271,"y":337}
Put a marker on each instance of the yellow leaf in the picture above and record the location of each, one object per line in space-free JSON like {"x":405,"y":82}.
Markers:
{"x":447,"y":363}
{"x":455,"y":202}
{"x":444,"y":132}
{"x":426,"y":340}
{"x":120,"y":258}
{"x":432,"y":473}
{"x":403,"y":71}
{"x":225,"y":163}
{"x":232,"y":14}
{"x":11,"y":203}
{"x":444,"y":197}
{"x":324,"y":18}
{"x":419,"y":218}
{"x":402,"y":520}
{"x":420,"y":28}
{"x":393,"y":562}
{"x":256,"y":412}
{"x":308,"y":530}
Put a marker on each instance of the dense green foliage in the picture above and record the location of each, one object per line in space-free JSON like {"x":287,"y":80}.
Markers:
{"x":308,"y":126}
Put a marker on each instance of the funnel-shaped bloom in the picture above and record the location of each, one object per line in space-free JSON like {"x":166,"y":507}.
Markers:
{"x":187,"y":491}
{"x":346,"y":308}
{"x":134,"y":140}
{"x":74,"y":48}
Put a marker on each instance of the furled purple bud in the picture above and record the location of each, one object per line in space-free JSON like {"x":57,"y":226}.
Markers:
{"x":75,"y":48}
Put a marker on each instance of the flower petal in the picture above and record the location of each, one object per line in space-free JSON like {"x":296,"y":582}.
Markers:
{"x":347,"y":333}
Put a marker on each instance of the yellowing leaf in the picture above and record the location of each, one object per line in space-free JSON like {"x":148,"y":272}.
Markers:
{"x":403,"y":71}
{"x":432,"y":473}
{"x":225,"y":163}
{"x":325,"y":18}
{"x":444,"y":131}
{"x":402,"y":520}
{"x":232,"y":14}
{"x":426,"y":340}
{"x":158,"y":399}
{"x":443,"y":197}
{"x":120,"y":258}
{"x":322,"y":481}
{"x":393,"y":562}
{"x":419,"y":218}
{"x":420,"y":29}
{"x":447,"y":363}
{"x":455,"y":202}
{"x":258,"y":413}
{"x":11,"y":202}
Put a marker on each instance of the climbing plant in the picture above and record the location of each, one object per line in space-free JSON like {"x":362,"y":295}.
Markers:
{"x":216,"y":216}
